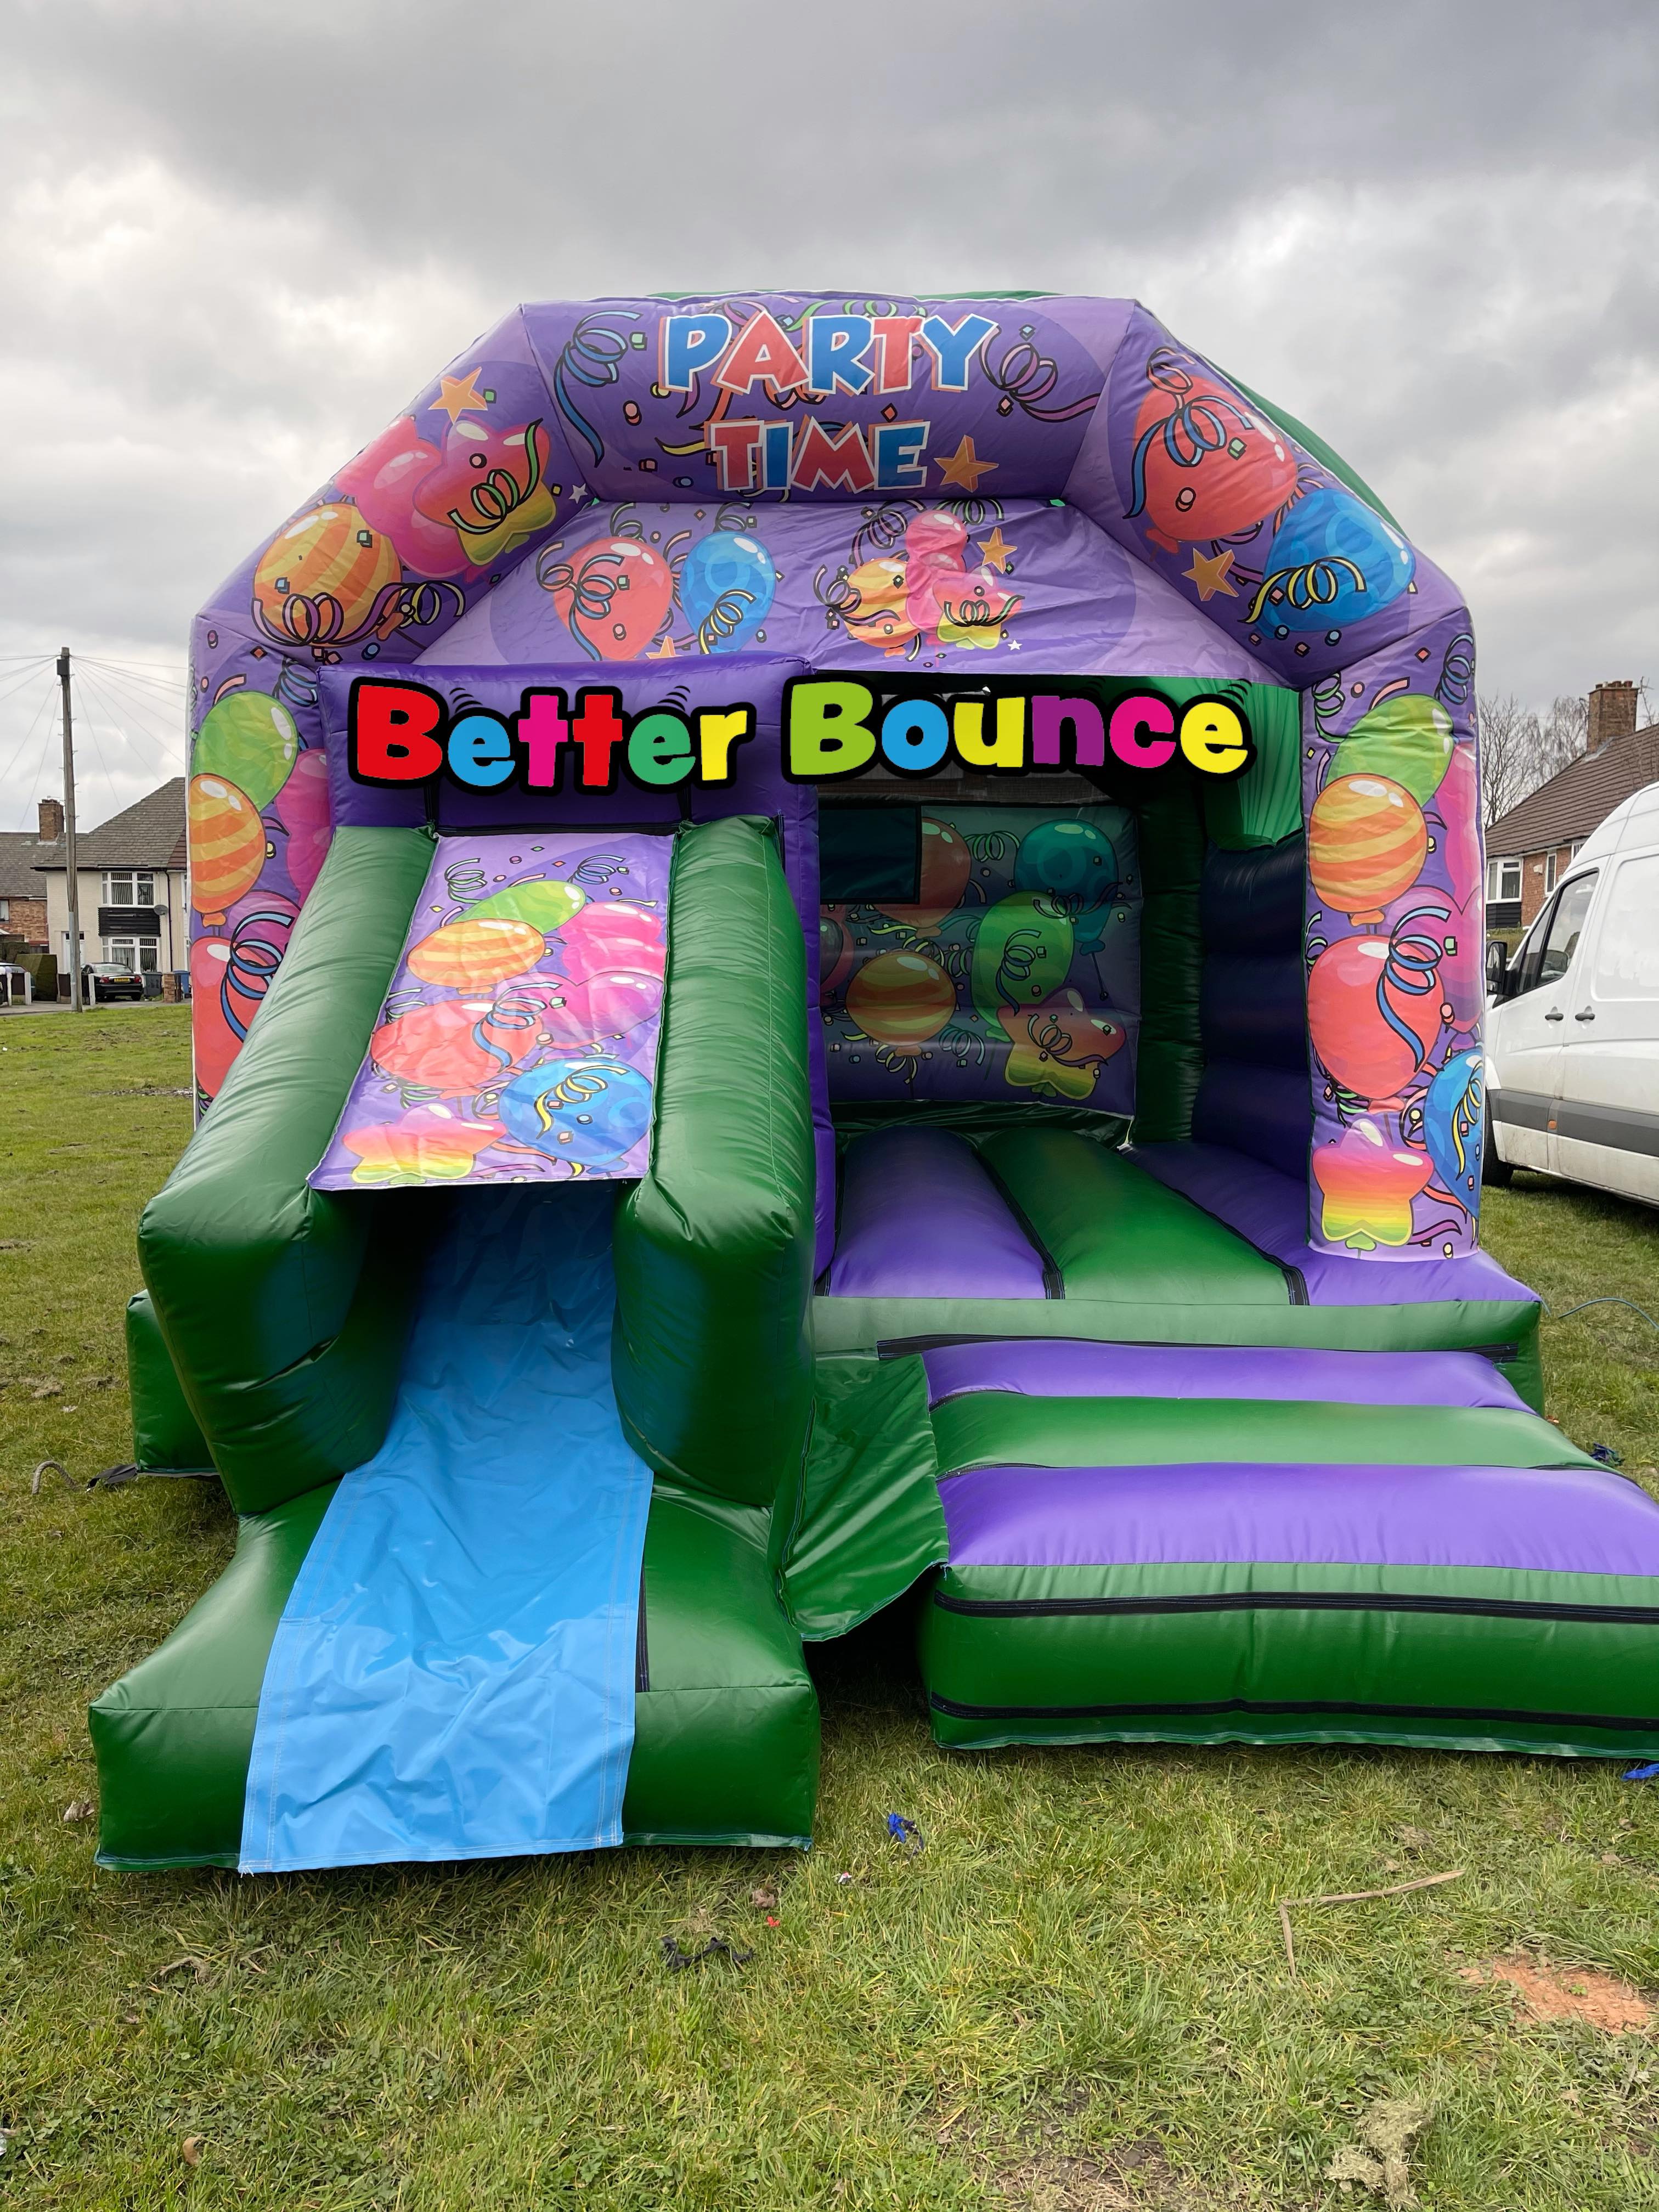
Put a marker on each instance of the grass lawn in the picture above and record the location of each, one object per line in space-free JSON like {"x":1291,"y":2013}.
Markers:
{"x":1076,"y":1997}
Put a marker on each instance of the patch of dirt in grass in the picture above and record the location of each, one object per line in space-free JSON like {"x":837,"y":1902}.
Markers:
{"x":1568,"y":1993}
{"x":1136,"y":2179}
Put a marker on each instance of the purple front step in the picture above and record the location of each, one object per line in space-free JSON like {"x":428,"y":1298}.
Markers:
{"x":1041,"y":1367}
{"x":921,"y":1218}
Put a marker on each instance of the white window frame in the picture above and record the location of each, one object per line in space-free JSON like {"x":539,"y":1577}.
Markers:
{"x":1551,"y":871}
{"x":138,"y":887}
{"x":1497,"y":868}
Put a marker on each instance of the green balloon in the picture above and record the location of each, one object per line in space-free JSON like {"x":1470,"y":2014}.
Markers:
{"x":542,"y":903}
{"x":1021,"y":954}
{"x":250,"y":739}
{"x":1408,"y":738}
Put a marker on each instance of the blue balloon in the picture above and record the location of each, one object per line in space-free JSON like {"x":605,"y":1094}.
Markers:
{"x":1076,"y":864}
{"x":726,"y":583}
{"x":1332,"y":560}
{"x":578,"y":1108}
{"x":1453,"y":1122}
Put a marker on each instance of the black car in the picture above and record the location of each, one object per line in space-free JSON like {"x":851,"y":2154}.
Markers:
{"x":107,"y":979}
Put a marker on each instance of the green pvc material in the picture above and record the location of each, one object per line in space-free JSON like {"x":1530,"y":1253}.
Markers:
{"x":173,"y":1738}
{"x":1263,"y":806}
{"x":725,"y":1744}
{"x":285,"y":1309}
{"x":1170,"y":1050}
{"x":870,"y":1520}
{"x":978,"y":1117}
{"x":1114,"y":1232}
{"x":1472,"y":1677}
{"x":167,"y":1437}
{"x":1001,"y":1428}
{"x":1505,"y":1331}
{"x":712,"y":1357}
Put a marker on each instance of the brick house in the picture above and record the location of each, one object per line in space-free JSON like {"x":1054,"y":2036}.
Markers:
{"x":133,"y":887}
{"x":1528,"y":848}
{"x":22,"y":892}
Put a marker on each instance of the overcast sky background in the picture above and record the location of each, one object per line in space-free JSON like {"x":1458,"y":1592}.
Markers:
{"x":237,"y":239}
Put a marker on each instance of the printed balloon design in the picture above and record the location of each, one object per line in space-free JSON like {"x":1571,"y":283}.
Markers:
{"x":1060,"y":1048}
{"x":956,"y":605}
{"x":1205,"y":464}
{"x":436,"y":1047}
{"x":945,"y":866}
{"x":613,"y":596}
{"x":542,"y":901}
{"x":1452,"y":1128}
{"x":1367,"y":1185}
{"x":382,"y":482}
{"x":872,"y":605}
{"x":1021,"y":953}
{"x":1075,"y":865}
{"x":586,"y":1111}
{"x":835,"y":951}
{"x":429,"y":1144}
{"x":229,"y":976}
{"x":1367,"y":840}
{"x":1374,"y":1012}
{"x":491,"y":487}
{"x":471,"y":955}
{"x":726,"y":584}
{"x":1407,"y":737}
{"x":249,"y":740}
{"x":227,"y":845}
{"x":1457,"y":812}
{"x":1332,"y":560}
{"x":323,"y":579}
{"x":900,"y":998}
{"x":611,"y":934}
{"x":602,"y":1007}
{"x":304,"y":812}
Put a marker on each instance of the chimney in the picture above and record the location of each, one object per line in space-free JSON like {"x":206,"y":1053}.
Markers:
{"x":1612,"y":714}
{"x":52,"y":821}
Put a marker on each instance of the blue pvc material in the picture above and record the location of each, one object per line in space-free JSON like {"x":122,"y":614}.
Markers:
{"x":453,"y":1677}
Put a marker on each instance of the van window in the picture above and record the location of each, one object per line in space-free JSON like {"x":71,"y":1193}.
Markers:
{"x":1566,"y":925}
{"x":1627,"y":949}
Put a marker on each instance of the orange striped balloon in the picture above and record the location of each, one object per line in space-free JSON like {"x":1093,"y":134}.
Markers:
{"x":318,"y":577}
{"x":470,"y":956}
{"x":1366,"y":842}
{"x":227,"y":845}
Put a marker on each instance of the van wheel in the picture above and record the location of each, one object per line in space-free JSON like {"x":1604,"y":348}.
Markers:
{"x":1493,"y":1170}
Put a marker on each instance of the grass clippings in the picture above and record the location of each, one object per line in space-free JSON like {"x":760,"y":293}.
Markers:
{"x":1568,"y":1993}
{"x":1380,"y":2161}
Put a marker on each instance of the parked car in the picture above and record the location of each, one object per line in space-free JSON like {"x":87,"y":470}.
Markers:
{"x":111,"y":981}
{"x":1572,"y":1031}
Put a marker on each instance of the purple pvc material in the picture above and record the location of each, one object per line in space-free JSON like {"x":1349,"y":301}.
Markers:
{"x":1053,"y":1367}
{"x":1555,"y":1521}
{"x":1271,"y":1212}
{"x":921,"y":1218}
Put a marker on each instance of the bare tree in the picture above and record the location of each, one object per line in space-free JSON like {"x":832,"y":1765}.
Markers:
{"x":1561,"y":736}
{"x":1509,"y":738}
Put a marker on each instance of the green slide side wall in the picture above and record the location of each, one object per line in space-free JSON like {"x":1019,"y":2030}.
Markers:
{"x":166,"y":1435}
{"x":712,"y":1358}
{"x":725,"y":1747}
{"x":285,"y":1309}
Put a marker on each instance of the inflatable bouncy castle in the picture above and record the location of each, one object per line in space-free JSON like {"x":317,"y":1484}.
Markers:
{"x":838,"y":965}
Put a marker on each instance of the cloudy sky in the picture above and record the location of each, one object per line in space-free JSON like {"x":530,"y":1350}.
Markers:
{"x":237,"y":239}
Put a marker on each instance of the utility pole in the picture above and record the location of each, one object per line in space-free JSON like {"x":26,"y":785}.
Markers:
{"x":69,"y":836}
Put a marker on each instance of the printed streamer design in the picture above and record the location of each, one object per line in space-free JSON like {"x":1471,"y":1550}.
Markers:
{"x":518,"y":1043}
{"x":1022,"y":483}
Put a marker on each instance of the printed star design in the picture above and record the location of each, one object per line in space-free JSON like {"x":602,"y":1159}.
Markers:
{"x":965,"y":467}
{"x":459,"y":396}
{"x":1210,"y":575}
{"x":663,"y":652}
{"x":996,"y":552}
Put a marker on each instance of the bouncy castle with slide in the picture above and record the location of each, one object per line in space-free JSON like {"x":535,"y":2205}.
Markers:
{"x":838,"y":965}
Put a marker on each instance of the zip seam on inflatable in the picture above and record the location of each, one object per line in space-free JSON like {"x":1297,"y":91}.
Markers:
{"x":952,"y":1711}
{"x":1298,"y":1601}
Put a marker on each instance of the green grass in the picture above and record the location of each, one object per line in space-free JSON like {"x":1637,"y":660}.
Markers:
{"x":1083,"y":1970}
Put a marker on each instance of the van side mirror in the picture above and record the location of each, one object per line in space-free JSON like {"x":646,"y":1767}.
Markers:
{"x":1500,"y":980}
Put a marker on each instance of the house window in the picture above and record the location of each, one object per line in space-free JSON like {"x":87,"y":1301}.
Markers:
{"x":5,"y":909}
{"x":135,"y":952}
{"x":129,"y":887}
{"x":1549,"y":871}
{"x":1503,"y":879}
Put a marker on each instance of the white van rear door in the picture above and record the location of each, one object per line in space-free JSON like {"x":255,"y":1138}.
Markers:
{"x":1529,"y":1036}
{"x":1608,"y":1115}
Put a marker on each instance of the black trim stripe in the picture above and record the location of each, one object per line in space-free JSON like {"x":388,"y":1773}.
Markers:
{"x":1053,"y":1282}
{"x":1617,"y":1723}
{"x":901,"y":1348}
{"x":1521,"y":1110}
{"x":1616,"y":1128}
{"x":642,"y":1646}
{"x":1046,"y":1608}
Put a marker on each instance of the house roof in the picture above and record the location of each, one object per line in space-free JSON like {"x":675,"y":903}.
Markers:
{"x":1580,"y":798}
{"x":148,"y":834}
{"x":20,"y":854}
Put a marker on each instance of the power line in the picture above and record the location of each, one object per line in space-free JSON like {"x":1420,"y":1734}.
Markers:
{"x":171,"y":747}
{"x":5,"y":772}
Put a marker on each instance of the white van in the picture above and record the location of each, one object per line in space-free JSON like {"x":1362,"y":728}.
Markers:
{"x":1573,"y":1022}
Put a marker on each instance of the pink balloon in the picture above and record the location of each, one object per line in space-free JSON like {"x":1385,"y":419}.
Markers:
{"x":303,"y":811}
{"x":608,"y":934}
{"x":607,"y":1006}
{"x":1457,"y":802}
